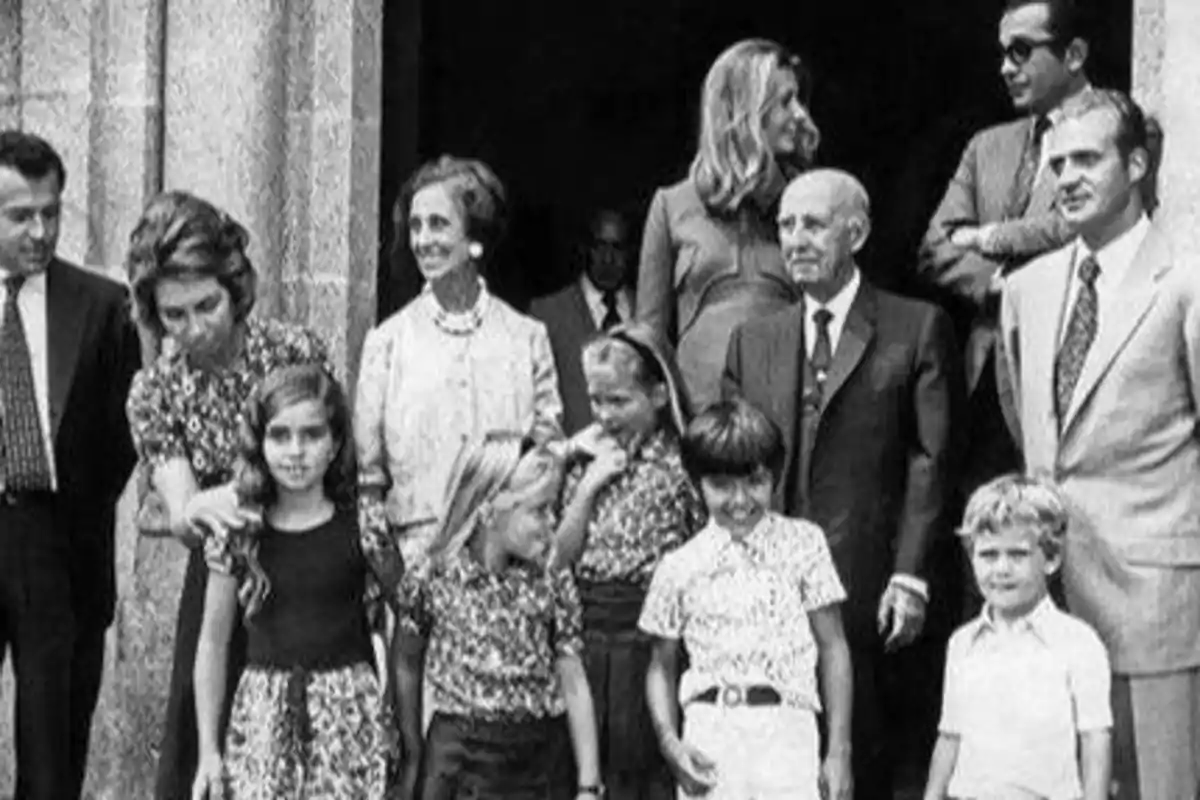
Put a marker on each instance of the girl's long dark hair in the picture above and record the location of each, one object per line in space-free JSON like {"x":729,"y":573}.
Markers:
{"x":281,"y":389}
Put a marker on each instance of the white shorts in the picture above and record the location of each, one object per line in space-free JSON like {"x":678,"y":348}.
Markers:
{"x":761,"y":752}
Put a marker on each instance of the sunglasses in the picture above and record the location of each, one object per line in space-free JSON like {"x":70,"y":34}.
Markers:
{"x":1019,"y":51}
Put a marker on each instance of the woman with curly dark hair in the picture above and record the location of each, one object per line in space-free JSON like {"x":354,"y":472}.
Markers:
{"x":193,"y":289}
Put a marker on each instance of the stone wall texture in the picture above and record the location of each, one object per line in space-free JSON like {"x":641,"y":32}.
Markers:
{"x":269,"y":109}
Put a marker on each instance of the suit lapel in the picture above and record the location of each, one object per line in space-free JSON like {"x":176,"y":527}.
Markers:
{"x":587,"y":321}
{"x":1121,"y":312}
{"x":66,"y":314}
{"x":784,"y":355}
{"x":856,"y":335}
{"x":1041,"y":320}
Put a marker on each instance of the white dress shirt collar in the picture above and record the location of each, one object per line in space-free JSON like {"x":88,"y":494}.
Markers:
{"x":839,"y":306}
{"x":1116,"y":257}
{"x":594,"y":298}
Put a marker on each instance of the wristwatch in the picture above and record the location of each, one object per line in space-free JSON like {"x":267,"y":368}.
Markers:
{"x":595,"y":790}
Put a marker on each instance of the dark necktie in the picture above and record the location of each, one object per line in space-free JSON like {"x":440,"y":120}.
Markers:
{"x":1027,"y":173}
{"x":24,"y":466}
{"x":611,"y":315}
{"x":822,"y":353}
{"x":1081,"y":330}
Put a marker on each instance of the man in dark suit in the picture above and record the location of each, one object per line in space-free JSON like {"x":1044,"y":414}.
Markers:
{"x":68,"y":351}
{"x":600,"y":298}
{"x":998,"y":212}
{"x":867,"y":389}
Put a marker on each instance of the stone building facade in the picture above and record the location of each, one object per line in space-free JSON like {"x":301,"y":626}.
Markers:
{"x":271,"y":109}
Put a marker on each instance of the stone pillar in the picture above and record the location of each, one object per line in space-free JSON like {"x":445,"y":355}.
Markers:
{"x":269,"y":109}
{"x":1166,"y":71}
{"x":10,"y":63}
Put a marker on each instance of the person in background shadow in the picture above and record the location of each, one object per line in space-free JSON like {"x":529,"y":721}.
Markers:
{"x":599,"y":299}
{"x":68,"y":350}
{"x":998,"y":213}
{"x":710,"y":254}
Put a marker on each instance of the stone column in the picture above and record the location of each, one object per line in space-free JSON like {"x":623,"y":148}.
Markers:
{"x":1166,"y":71}
{"x":10,"y":63}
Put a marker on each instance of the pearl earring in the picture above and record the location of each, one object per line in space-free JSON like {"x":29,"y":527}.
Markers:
{"x":475,"y":250}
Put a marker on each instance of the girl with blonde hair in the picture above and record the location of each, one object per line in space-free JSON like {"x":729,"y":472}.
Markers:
{"x":710,"y":253}
{"x":498,"y":635}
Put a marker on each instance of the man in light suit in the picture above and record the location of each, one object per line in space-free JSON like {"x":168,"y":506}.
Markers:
{"x":68,"y":351}
{"x":600,"y":298}
{"x":866,"y":387}
{"x":1103,"y":340}
{"x":998,"y":213}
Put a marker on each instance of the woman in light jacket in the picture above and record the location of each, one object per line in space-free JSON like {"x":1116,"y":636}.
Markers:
{"x":455,"y":362}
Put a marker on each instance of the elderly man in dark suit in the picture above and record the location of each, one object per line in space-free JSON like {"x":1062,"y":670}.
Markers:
{"x":600,"y":298}
{"x":998,"y":211}
{"x":68,"y":351}
{"x":867,"y":389}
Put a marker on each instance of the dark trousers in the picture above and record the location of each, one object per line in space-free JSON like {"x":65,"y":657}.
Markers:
{"x":37,"y":626}
{"x":471,"y":759}
{"x":871,"y":755}
{"x":180,"y":749}
{"x":616,"y":656}
{"x":87,"y":670}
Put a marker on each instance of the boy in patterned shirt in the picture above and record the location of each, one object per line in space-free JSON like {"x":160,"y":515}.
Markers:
{"x":754,"y":599}
{"x":1026,"y":711}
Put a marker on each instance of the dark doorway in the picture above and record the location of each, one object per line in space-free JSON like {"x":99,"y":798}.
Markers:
{"x":577,"y":105}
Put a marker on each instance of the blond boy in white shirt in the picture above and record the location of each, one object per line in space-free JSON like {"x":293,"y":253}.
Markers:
{"x":1026,"y":712}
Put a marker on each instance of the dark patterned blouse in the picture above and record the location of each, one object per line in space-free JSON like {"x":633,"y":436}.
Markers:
{"x":648,"y":510}
{"x":493,"y":639}
{"x":178,"y":411}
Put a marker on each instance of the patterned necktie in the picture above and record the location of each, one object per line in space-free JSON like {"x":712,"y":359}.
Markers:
{"x":611,"y":315}
{"x":822,"y":354}
{"x":1027,"y":172}
{"x":24,"y":466}
{"x":1081,"y":330}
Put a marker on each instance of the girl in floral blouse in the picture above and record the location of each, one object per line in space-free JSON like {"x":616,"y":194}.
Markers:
{"x":498,"y":636}
{"x":308,"y":713}
{"x":626,"y":505}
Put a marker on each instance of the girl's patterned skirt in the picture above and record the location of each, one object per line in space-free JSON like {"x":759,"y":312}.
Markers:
{"x":317,"y":735}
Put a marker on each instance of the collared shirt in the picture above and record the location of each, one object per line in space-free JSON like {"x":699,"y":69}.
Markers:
{"x":595,"y":301}
{"x":493,"y":639}
{"x":649,"y":509}
{"x":1115,"y":259}
{"x":838,"y":306}
{"x":1018,"y":695}
{"x":741,"y":607}
{"x":32,"y":304}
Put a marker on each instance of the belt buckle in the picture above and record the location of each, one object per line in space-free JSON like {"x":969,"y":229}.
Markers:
{"x":733,"y":695}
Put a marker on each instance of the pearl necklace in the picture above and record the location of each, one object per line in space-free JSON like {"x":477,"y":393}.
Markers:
{"x":459,"y":323}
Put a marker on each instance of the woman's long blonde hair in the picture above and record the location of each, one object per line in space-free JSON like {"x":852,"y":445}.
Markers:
{"x":733,"y":159}
{"x":485,"y":475}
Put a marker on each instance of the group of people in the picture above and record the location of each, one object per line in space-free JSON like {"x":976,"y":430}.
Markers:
{"x":640,"y":544}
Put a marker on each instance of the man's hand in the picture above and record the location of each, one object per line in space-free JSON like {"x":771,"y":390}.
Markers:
{"x":695,"y":771}
{"x":901,"y":616}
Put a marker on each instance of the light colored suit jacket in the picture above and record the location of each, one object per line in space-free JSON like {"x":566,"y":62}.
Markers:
{"x":1128,"y":456}
{"x":981,"y":192}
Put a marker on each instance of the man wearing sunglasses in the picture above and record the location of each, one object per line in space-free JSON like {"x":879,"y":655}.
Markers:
{"x":998,"y":212}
